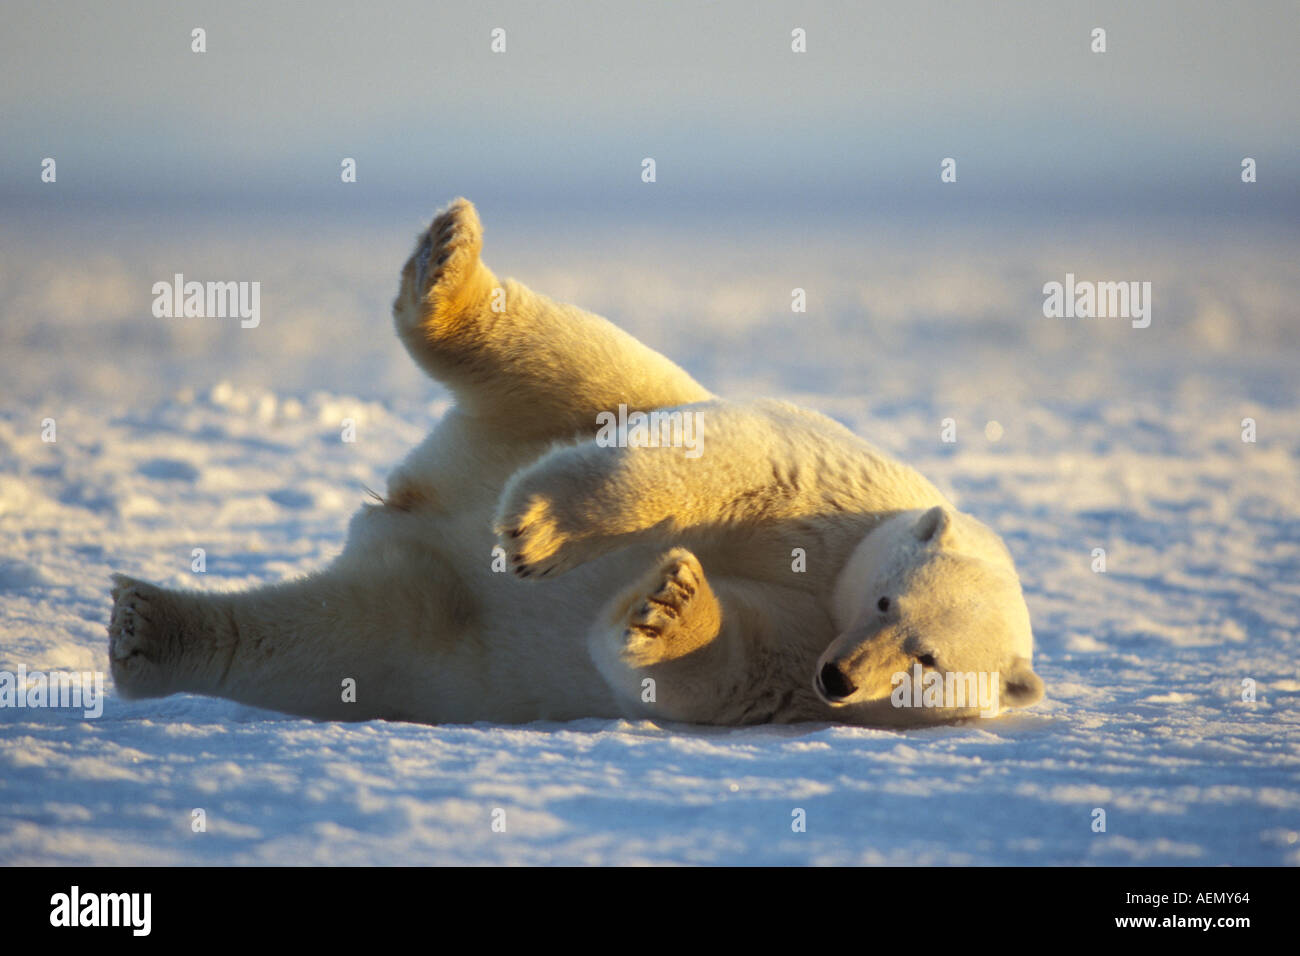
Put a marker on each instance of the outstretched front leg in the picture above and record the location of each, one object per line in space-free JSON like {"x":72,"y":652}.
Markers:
{"x":578,"y":502}
{"x":675,"y":646}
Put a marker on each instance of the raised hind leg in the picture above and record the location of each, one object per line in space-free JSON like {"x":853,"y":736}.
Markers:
{"x":517,"y":361}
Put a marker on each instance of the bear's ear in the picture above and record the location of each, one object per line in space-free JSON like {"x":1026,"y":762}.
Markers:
{"x":1019,"y":685}
{"x":933,"y":525}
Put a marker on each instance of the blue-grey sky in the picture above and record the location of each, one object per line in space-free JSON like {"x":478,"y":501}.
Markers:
{"x":1037,"y":122}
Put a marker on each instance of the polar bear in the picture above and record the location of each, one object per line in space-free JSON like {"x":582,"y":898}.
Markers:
{"x":534,"y":560}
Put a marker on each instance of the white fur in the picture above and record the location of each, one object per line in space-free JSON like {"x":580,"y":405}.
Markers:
{"x":627,"y":565}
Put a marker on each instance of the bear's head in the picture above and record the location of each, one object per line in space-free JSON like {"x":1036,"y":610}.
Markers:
{"x":933,"y":625}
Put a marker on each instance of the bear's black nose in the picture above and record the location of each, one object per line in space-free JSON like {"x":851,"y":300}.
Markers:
{"x":834,"y":682}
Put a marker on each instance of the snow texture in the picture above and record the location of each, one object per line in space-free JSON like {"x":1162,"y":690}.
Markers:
{"x":175,"y":434}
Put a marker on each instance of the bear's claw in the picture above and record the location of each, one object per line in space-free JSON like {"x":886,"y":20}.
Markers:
{"x":532,"y":537}
{"x":446,"y":257}
{"x":452,"y":243}
{"x":665,"y":607}
{"x":136,"y":646}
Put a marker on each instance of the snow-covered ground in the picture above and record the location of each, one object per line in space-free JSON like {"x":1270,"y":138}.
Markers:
{"x":175,"y":434}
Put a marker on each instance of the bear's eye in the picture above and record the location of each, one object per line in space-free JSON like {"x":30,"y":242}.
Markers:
{"x":927,"y":660}
{"x":883,"y":604}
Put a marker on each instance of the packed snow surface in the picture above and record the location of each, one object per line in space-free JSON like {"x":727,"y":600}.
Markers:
{"x":1071,"y":435}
